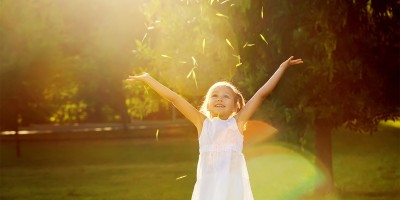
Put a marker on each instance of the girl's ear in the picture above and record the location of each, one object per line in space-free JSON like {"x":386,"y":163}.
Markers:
{"x":237,"y":104}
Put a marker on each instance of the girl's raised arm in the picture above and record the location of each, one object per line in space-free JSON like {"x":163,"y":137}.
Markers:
{"x":187,"y":109}
{"x":248,"y":110}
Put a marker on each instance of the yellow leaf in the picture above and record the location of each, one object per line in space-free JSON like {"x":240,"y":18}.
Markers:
{"x":229,"y":43}
{"x":195,"y":80}
{"x":194,"y":61}
{"x":165,"y":56}
{"x":221,"y":15}
{"x":190,"y":73}
{"x":224,"y":1}
{"x":157,"y":135}
{"x":236,"y":56}
{"x":248,"y":45}
{"x":183,"y":62}
{"x":262,"y":37}
{"x":262,"y":12}
{"x":144,"y":37}
{"x":181,"y":177}
{"x":204,"y":44}
{"x":239,"y":61}
{"x":211,"y":2}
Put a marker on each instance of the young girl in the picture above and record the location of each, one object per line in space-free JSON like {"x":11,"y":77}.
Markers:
{"x":221,"y":170}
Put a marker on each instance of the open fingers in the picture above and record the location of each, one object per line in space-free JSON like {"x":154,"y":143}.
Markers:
{"x":295,"y":62}
{"x":289,"y":59}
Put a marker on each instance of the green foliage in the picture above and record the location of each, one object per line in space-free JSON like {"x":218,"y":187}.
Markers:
{"x":32,"y":58}
{"x":189,"y":51}
{"x":65,"y":106}
{"x":350,"y":73}
{"x":53,"y":48}
{"x":350,"y":49}
{"x":142,"y":101}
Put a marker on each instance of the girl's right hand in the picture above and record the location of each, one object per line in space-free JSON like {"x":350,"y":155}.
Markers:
{"x":139,"y":77}
{"x":290,"y":62}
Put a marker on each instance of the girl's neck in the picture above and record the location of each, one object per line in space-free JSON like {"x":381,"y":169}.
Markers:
{"x":220,"y":116}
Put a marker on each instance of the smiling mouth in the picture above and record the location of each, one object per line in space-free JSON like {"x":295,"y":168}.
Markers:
{"x":219,"y":106}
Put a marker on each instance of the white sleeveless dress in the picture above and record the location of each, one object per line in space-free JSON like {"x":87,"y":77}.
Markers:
{"x":221,"y":170}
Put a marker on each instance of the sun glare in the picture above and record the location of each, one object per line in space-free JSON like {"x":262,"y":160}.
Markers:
{"x":279,"y":173}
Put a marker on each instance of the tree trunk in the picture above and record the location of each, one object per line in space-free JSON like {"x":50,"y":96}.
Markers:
{"x":323,"y":151}
{"x":17,"y":142}
{"x":122,"y":109}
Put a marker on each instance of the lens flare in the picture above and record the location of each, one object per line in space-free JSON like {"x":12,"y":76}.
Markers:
{"x":257,"y":132}
{"x":280,"y":173}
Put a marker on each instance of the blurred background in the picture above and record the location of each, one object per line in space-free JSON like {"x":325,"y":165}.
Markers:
{"x":71,"y":127}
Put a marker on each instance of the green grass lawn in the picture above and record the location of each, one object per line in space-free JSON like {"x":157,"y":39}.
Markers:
{"x":137,"y":166}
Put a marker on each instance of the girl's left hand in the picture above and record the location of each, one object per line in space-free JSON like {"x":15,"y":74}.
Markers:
{"x":139,"y":77}
{"x":290,"y":62}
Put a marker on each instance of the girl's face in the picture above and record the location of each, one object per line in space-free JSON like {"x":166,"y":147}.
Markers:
{"x":222,"y":102}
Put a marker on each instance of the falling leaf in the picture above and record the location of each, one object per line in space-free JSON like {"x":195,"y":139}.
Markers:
{"x":150,"y":28}
{"x":247,"y":45}
{"x":204,"y":44}
{"x":229,"y":43}
{"x":239,"y":61}
{"x":157,"y":135}
{"x":211,"y":2}
{"x":221,"y":15}
{"x":144,"y":37}
{"x":190,"y":73}
{"x":262,"y":37}
{"x":193,"y":74}
{"x":262,"y":12}
{"x":194,"y":62}
{"x":181,"y":177}
{"x":195,"y":79}
{"x":183,"y":62}
{"x":165,"y":56}
{"x":224,"y":1}
{"x":237,"y":56}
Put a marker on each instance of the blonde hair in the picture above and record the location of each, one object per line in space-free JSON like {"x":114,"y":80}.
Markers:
{"x":238,"y":97}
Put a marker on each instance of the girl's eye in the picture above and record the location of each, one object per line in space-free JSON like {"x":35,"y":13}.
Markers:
{"x":227,"y":97}
{"x":214,"y":95}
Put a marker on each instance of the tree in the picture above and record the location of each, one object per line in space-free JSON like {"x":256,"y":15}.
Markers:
{"x":30,"y":59}
{"x":181,"y":50}
{"x":350,"y":77}
{"x":102,"y":40}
